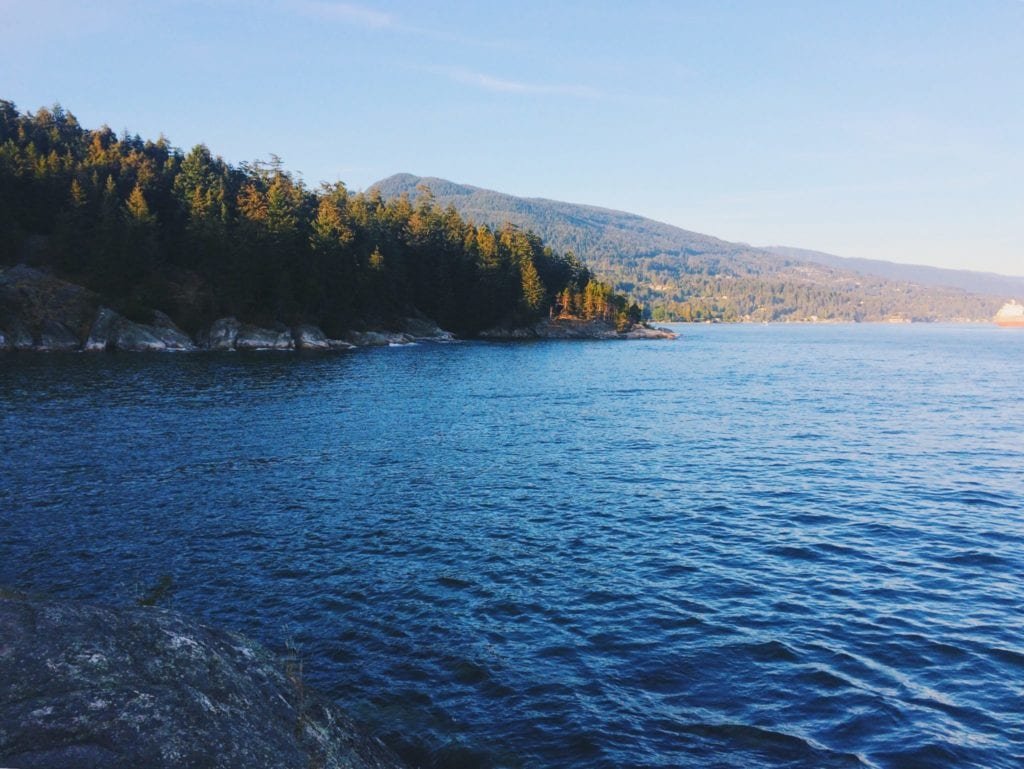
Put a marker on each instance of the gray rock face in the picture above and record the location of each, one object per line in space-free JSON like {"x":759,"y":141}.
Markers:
{"x":20,"y":336}
{"x":40,"y":311}
{"x":310,"y":338}
{"x":222,"y":334}
{"x":168,"y":333}
{"x":378,"y":338}
{"x":648,"y":332}
{"x":111,"y":331}
{"x":256,"y":338}
{"x":508,"y":332}
{"x":163,"y":320}
{"x":570,"y":328}
{"x":56,"y":337}
{"x":88,"y":687}
{"x":103,"y":333}
{"x":135,"y":337}
{"x":424,"y":329}
{"x":230,"y":334}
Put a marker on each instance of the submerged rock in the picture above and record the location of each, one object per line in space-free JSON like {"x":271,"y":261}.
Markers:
{"x":85,"y":686}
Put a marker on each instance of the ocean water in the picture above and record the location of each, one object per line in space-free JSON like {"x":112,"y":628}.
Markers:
{"x":756,"y":546}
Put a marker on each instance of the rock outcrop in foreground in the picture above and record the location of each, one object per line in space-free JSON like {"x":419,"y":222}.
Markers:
{"x":84,"y":687}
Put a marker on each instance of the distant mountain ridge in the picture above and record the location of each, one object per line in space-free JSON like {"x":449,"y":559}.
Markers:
{"x":967,"y":280}
{"x":684,"y":275}
{"x":589,"y":231}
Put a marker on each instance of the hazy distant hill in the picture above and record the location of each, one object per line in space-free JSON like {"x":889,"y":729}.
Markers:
{"x":968,"y":280}
{"x":591,"y":232}
{"x":686,"y":275}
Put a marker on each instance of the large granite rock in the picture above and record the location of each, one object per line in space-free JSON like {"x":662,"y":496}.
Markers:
{"x":41,"y":312}
{"x":54,"y":336}
{"x":135,"y":337}
{"x":222,"y":334}
{"x":509,"y":333}
{"x":20,"y":336}
{"x":310,"y":338}
{"x":167,"y":332}
{"x":417,"y":329}
{"x":378,"y":338}
{"x":648,"y":332}
{"x":571,"y":328}
{"x":84,"y":687}
{"x":255,"y":338}
{"x":424,"y":329}
{"x":230,"y":334}
{"x":111,"y":331}
{"x":103,"y":332}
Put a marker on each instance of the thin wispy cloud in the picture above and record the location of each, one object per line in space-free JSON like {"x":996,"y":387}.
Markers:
{"x":365,"y":16}
{"x":501,"y":85}
{"x":348,"y":13}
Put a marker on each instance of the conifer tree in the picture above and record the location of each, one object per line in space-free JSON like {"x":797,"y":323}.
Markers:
{"x":140,"y":222}
{"x":532,"y":289}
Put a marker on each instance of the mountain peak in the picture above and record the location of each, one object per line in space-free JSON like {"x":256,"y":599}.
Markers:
{"x":395,"y":185}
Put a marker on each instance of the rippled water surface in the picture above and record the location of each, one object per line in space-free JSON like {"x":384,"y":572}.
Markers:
{"x":758,"y":546}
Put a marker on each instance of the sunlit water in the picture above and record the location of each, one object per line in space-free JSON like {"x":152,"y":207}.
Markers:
{"x":758,"y":546}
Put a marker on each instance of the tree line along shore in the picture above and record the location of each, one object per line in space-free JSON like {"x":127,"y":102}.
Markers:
{"x":143,"y":227}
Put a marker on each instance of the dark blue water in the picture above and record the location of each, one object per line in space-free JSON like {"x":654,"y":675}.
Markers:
{"x":759,"y":546}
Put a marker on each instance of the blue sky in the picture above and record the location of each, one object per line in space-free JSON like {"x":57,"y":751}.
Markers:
{"x":890,"y":130}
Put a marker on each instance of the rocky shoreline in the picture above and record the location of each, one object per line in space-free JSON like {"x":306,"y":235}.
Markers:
{"x":88,"y":687}
{"x":42,"y":313}
{"x":571,"y":328}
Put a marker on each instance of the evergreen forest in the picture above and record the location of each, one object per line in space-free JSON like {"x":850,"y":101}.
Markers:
{"x":677,"y":274}
{"x":147,"y":226}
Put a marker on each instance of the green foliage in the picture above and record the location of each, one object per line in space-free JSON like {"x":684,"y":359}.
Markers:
{"x":148,"y":225}
{"x":682,"y":275}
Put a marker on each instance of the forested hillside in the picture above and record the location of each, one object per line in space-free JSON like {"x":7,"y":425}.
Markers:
{"x":149,"y":226}
{"x":683,"y":275}
{"x":966,"y":280}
